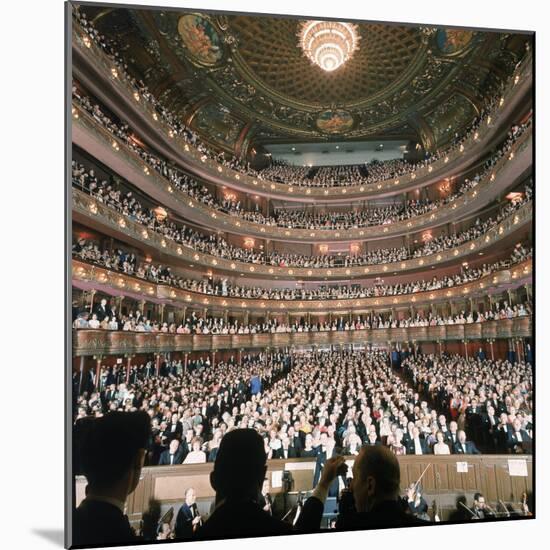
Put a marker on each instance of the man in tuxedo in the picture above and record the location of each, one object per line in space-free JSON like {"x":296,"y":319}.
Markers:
{"x":474,"y":420}
{"x":463,"y":447}
{"x":489,"y":423}
{"x":503,"y":431}
{"x":188,"y":519}
{"x":324,"y":452}
{"x":173,"y":455}
{"x":416,"y":445}
{"x":519,"y":441}
{"x":102,"y":310}
{"x":110,"y":452}
{"x":480,"y":508}
{"x":175,"y":428}
{"x":295,"y":441}
{"x":237,"y":478}
{"x":375,"y":499}
{"x":452,"y":436}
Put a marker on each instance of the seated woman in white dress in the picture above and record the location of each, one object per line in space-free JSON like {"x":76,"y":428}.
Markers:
{"x":441,"y":448}
{"x":195,"y":456}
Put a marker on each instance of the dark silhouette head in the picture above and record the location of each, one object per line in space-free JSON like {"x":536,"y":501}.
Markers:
{"x":111,"y":449}
{"x":240,"y":466}
{"x":376,"y":477}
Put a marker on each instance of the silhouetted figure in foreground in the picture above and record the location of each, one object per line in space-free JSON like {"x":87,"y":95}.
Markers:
{"x":375,"y":493}
{"x":237,"y":478}
{"x":110,"y":452}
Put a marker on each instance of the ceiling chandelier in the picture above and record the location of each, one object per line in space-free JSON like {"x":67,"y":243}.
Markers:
{"x":328,"y":44}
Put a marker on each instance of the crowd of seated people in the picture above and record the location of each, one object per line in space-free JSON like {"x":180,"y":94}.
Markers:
{"x":303,"y":404}
{"x":491,"y":398}
{"x":373,"y":171}
{"x":127,"y":262}
{"x":377,"y":171}
{"x":125,"y":202}
{"x":105,"y":317}
{"x":282,"y":218}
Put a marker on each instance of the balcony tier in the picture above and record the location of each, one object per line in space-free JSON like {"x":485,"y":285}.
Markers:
{"x":88,"y":211}
{"x":94,"y":69}
{"x":88,"y":277}
{"x":94,"y":138}
{"x":88,"y":342}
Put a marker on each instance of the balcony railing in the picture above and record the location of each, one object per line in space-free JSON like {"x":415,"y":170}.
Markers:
{"x":88,"y":342}
{"x":117,"y":283}
{"x":86,"y":208}
{"x":506,"y":171}
{"x":518,"y":85}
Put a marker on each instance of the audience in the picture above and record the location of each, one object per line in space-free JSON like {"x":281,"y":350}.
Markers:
{"x":320,"y":176}
{"x":316,"y":403}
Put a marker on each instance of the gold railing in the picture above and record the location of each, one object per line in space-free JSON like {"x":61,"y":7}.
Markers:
{"x":87,"y":208}
{"x":88,"y":342}
{"x":519,"y":83}
{"x":508,"y":168}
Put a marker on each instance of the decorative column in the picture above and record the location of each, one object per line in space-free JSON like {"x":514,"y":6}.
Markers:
{"x":118,"y":305}
{"x":491,"y":348}
{"x":213,"y":357}
{"x":161,"y":313}
{"x":92,"y":294}
{"x":185,"y":359}
{"x":128,"y":365}
{"x":157,"y":363}
{"x":465,"y":342}
{"x":98,"y":372}
{"x":81,"y":373}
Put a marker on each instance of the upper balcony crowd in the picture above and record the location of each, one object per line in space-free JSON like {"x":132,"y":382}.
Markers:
{"x":330,"y":177}
{"x":297,"y":219}
{"x":127,"y":262}
{"x":126,"y":203}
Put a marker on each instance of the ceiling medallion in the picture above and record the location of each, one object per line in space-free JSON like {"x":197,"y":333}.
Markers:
{"x":328,"y":44}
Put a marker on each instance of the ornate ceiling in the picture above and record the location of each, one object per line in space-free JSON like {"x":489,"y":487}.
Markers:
{"x":243,"y":79}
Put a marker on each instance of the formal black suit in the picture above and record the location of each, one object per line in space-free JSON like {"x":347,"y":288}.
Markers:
{"x":502,"y":435}
{"x":451,"y":439}
{"x":470,"y":448}
{"x":101,"y":523}
{"x":165,"y":457}
{"x":184,"y":521}
{"x":411,"y":447}
{"x":489,"y":430}
{"x":102,"y":312}
{"x":245,"y":518}
{"x":517,"y":446}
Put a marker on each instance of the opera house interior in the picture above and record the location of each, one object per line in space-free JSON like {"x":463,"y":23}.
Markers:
{"x":313,"y":234}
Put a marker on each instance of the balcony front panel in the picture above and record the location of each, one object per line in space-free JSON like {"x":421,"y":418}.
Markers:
{"x":98,"y":343}
{"x":92,"y":277}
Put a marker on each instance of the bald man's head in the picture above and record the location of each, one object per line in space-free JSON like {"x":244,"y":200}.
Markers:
{"x":376,"y":477}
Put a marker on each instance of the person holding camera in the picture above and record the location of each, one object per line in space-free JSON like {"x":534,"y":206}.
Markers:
{"x":238,"y":476}
{"x":373,"y":498}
